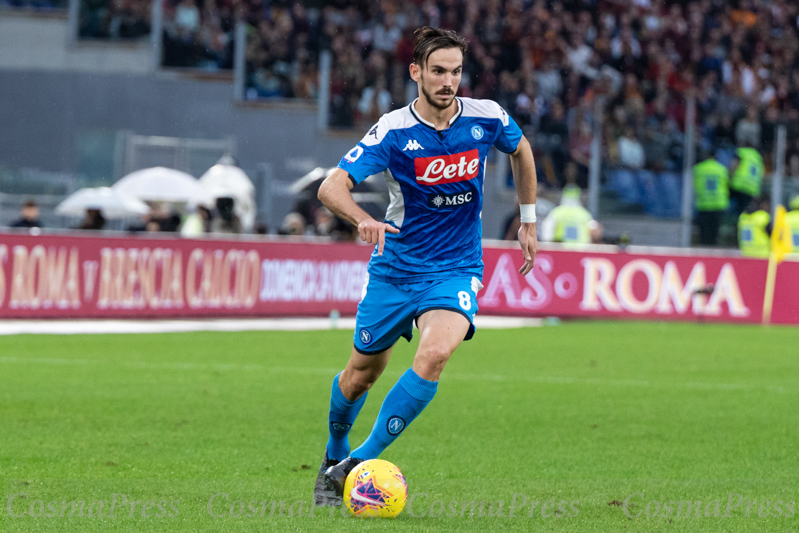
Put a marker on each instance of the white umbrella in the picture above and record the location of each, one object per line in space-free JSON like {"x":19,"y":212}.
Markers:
{"x":112,"y":203}
{"x":229,"y":181}
{"x":161,"y":184}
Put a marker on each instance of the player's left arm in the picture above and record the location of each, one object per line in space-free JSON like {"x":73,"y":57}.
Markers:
{"x":523,"y":166}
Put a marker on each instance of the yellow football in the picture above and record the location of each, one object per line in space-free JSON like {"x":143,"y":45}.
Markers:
{"x":375,"y":488}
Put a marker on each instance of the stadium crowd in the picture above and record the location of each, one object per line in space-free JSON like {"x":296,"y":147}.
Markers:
{"x":114,"y":19}
{"x":547,"y":61}
{"x":39,"y":5}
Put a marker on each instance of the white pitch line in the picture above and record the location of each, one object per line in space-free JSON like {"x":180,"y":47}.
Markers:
{"x":87,"y":327}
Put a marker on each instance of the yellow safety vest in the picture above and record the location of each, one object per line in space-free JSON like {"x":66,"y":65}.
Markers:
{"x":571,"y":224}
{"x":752,"y":236}
{"x":710,"y":186}
{"x":793,"y":221}
{"x":748,"y":177}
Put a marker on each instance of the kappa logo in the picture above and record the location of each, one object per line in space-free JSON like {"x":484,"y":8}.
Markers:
{"x":373,"y":131}
{"x":413,"y":144}
{"x":505,"y":117}
{"x":395,"y":425}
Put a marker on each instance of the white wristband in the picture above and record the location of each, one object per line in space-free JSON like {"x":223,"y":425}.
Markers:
{"x":527,"y":212}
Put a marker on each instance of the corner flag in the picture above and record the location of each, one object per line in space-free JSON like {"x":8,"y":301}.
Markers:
{"x":781,"y":244}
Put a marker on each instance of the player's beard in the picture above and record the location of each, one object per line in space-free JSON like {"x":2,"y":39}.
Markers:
{"x":432,"y":101}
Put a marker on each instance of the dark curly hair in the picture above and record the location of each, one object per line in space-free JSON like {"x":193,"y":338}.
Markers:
{"x":427,"y":40}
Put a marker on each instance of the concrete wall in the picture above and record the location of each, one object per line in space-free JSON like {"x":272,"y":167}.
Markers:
{"x":43,"y":42}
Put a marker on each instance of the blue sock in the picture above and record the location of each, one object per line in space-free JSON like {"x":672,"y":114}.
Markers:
{"x":403,"y":403}
{"x":343,"y":413}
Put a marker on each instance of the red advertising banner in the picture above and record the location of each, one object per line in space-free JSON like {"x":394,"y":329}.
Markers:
{"x":653,"y":286}
{"x":82,"y":277}
{"x":69,"y":276}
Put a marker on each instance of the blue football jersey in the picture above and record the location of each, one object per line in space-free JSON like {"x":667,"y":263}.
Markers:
{"x":435,"y":183}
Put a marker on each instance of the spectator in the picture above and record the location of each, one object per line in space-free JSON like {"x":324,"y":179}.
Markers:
{"x":656,"y":146}
{"x":293,"y":224}
{"x":550,"y":82}
{"x":187,"y":18}
{"x":631,"y":152}
{"x":580,"y":152}
{"x":29,"y":217}
{"x":579,"y":55}
{"x":324,"y":222}
{"x":375,"y":101}
{"x":227,"y":221}
{"x":747,"y":132}
{"x":93,"y":220}
{"x":553,"y":140}
{"x":387,"y":34}
{"x":197,"y":223}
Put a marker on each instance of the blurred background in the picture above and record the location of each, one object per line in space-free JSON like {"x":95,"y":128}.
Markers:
{"x":619,"y":98}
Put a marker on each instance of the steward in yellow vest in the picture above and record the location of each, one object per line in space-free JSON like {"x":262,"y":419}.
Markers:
{"x":748,"y":175}
{"x":793,"y":222}
{"x":570,"y":222}
{"x":747,"y":178}
{"x":712,"y":198}
{"x":753,"y":231}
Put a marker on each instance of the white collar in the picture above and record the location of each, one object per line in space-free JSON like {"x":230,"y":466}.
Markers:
{"x":418,"y":117}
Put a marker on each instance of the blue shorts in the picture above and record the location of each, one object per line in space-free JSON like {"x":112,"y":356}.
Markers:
{"x":387,"y":310}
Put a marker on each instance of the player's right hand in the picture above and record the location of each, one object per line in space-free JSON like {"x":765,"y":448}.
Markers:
{"x":374,"y":232}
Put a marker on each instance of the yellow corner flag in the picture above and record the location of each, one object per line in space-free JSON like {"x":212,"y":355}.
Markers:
{"x":781,"y":244}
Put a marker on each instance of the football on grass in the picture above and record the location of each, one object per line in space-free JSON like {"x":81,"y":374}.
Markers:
{"x":375,"y":488}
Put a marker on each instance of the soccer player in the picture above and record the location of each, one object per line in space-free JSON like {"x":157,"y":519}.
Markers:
{"x":427,"y":262}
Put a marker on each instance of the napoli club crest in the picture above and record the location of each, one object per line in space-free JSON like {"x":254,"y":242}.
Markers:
{"x":395,"y":425}
{"x":365,"y":336}
{"x":477,"y":133}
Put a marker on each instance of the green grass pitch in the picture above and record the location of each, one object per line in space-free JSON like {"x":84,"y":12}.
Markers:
{"x":578,"y":418}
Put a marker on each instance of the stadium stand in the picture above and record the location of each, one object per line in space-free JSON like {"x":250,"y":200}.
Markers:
{"x":114,"y":19}
{"x":199,"y":34}
{"x":546,"y":62}
{"x":39,"y":5}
